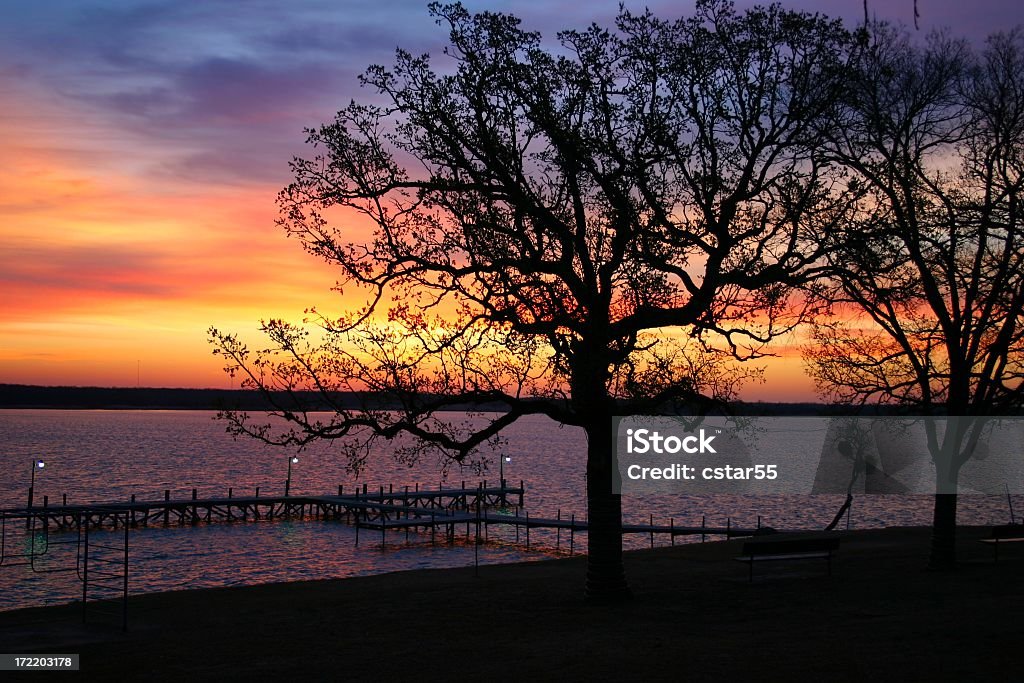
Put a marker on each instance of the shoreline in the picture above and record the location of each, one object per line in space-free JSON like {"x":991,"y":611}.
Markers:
{"x":694,"y":615}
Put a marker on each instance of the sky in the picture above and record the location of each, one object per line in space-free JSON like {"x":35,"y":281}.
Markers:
{"x":143,"y":143}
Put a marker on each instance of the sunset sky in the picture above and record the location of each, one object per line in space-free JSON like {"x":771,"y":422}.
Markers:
{"x":143,"y":144}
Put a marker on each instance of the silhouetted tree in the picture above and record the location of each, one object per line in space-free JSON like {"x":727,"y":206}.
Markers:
{"x":933,"y":266}
{"x":577,"y":229}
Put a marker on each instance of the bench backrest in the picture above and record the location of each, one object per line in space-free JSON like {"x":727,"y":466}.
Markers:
{"x":1008,"y":531}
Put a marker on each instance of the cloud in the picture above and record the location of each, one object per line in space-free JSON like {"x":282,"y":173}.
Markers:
{"x":144,"y":142}
{"x":84,"y":269}
{"x":202,"y":92}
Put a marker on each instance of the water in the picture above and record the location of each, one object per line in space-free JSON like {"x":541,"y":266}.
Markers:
{"x":109,"y":455}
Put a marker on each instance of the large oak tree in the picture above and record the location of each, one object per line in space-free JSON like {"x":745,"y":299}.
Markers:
{"x":577,"y":228}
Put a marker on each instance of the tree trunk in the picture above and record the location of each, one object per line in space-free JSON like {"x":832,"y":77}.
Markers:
{"x":943,"y":550}
{"x":606,"y":576}
{"x":947,"y":474}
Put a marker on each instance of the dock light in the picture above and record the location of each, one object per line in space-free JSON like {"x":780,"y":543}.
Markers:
{"x":288,"y":482}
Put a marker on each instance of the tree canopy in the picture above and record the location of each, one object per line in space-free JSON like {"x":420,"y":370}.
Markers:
{"x":577,"y":228}
{"x":932,"y":265}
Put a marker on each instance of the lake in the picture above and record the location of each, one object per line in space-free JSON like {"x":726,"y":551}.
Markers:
{"x":94,"y":456}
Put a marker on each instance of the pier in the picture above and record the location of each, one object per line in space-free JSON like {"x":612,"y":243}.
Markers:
{"x":38,"y":536}
{"x":382,"y":509}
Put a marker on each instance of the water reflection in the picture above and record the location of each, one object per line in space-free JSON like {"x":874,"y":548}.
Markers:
{"x":110,"y":455}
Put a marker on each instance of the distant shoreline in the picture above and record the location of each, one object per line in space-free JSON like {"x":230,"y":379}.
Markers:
{"x":33,"y":397}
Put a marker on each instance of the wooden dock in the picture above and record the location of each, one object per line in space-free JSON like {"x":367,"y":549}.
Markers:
{"x":102,"y":564}
{"x":384,"y":509}
{"x":390,"y":503}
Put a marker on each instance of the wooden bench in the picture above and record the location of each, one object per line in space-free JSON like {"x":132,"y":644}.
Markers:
{"x":787,"y":549}
{"x":1004,"y":533}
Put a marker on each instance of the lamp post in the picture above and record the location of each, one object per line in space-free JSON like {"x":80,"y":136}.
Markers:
{"x":36,"y":465}
{"x":288,"y":481}
{"x":501,"y":477}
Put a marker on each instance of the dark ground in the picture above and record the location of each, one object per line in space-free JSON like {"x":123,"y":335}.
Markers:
{"x":880,"y":617}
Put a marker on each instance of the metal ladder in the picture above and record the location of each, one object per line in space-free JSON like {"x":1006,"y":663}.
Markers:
{"x":100,"y":562}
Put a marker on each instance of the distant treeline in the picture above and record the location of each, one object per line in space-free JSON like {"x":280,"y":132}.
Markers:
{"x":123,"y":398}
{"x":113,"y":398}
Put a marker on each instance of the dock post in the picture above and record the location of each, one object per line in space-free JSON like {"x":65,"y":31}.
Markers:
{"x":124,"y":597}
{"x":356,"y":515}
{"x":520,"y":493}
{"x":133,"y":522}
{"x":652,"y":529}
{"x":257,"y":491}
{"x":703,"y":528}
{"x":85,"y":570}
{"x":672,"y":529}
{"x":728,"y":529}
{"x":759,"y":522}
{"x":527,"y":529}
{"x":572,"y":534}
{"x":433,"y":527}
{"x":517,"y":525}
{"x":558,"y":531}
{"x":65,"y":501}
{"x":167,"y":507}
{"x":476,"y":544}
{"x":46,"y":516}
{"x":340,"y":489}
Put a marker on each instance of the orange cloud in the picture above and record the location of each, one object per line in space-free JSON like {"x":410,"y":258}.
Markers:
{"x":113,"y":270}
{"x":101,"y":268}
